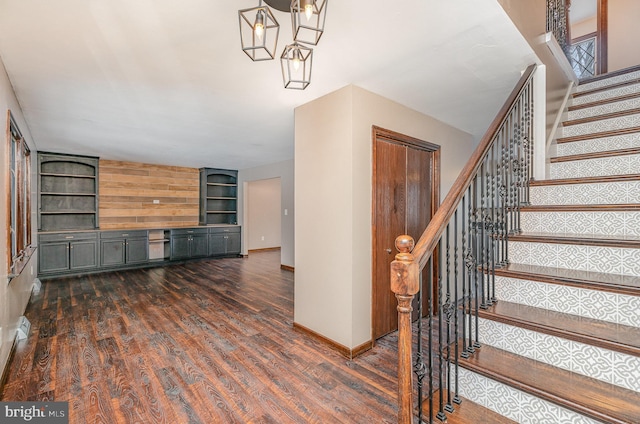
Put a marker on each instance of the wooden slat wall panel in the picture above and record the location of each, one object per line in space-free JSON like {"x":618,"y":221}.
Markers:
{"x":127,"y":191}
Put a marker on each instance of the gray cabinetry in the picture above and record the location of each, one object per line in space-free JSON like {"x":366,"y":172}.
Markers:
{"x":67,"y":252}
{"x":187,"y":243}
{"x":123,"y":247}
{"x":67,"y":192}
{"x":224,"y":241}
{"x":218,"y":196}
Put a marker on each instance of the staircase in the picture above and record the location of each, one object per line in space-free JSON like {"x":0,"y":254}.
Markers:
{"x":562,"y":344}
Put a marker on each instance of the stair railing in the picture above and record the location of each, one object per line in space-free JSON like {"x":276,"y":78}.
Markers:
{"x":558,"y":22}
{"x":458,"y":253}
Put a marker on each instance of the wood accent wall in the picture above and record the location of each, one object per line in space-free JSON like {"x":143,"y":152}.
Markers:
{"x":127,"y":191}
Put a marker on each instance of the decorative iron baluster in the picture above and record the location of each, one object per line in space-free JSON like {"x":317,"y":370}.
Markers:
{"x":430,"y":337}
{"x":448,"y":309}
{"x":440,"y":415}
{"x":463,"y":216}
{"x":476,"y":343}
{"x":419,"y":368}
{"x":456,"y":337}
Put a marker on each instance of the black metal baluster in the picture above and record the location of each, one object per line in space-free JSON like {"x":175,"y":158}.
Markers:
{"x":456,"y":303}
{"x":493,"y":223}
{"x":448,"y":311}
{"x":419,"y":366}
{"x":440,"y":415}
{"x":430,"y":337}
{"x":476,"y":215}
{"x":483,"y":235}
{"x":463,"y":208}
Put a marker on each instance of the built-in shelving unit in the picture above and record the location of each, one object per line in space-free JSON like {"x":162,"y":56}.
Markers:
{"x":218,"y":196}
{"x":67,"y":192}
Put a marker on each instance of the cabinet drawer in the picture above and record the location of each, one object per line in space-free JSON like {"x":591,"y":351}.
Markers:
{"x":67,"y":236}
{"x":123,"y":234}
{"x":187,"y":231}
{"x":224,"y":230}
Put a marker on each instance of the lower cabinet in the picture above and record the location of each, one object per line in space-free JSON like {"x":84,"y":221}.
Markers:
{"x":66,"y":252}
{"x":224,"y":241}
{"x":123,"y":247}
{"x":187,"y":243}
{"x":71,"y":252}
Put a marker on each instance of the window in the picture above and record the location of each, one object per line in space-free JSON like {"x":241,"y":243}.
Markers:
{"x":18,"y":199}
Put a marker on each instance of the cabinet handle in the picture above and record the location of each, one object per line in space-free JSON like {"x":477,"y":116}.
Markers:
{"x":68,"y":237}
{"x":388,"y":250}
{"x":125,"y":235}
{"x":189,"y":231}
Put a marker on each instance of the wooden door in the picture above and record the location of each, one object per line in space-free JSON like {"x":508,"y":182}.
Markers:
{"x":405,"y":194}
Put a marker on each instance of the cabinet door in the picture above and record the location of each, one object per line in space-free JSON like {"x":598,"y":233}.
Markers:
{"x":216,"y":244}
{"x":137,"y":250}
{"x":54,"y":257}
{"x":112,"y":252}
{"x":233,"y":243}
{"x":180,"y":246}
{"x":199,"y":245}
{"x":84,"y":254}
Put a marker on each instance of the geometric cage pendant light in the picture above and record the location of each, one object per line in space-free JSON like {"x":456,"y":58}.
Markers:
{"x":307,"y":20}
{"x":258,"y":32}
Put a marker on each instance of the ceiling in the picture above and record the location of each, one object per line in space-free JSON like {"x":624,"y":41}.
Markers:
{"x":161,"y":81}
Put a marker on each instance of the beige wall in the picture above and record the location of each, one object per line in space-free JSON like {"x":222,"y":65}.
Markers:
{"x":333,"y":154}
{"x":584,"y":27}
{"x":15,"y":295}
{"x":530,"y":19}
{"x":624,"y":34}
{"x":263,"y":209}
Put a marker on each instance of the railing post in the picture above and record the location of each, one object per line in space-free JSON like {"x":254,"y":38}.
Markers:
{"x":405,"y":283}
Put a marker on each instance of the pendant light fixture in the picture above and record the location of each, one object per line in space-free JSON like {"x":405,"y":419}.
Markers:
{"x":296,"y":63}
{"x":258,"y":32}
{"x":307,"y":20}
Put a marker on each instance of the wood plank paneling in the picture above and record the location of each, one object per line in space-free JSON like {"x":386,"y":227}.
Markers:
{"x":127,"y":191}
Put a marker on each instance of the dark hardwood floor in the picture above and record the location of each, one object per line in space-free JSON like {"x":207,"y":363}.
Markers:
{"x":204,"y":342}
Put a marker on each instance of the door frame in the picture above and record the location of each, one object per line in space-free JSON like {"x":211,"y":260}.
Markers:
{"x":382,"y":134}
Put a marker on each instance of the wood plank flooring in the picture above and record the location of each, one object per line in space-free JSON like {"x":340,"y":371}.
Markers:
{"x":204,"y":342}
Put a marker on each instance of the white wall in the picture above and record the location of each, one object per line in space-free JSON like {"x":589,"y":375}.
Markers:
{"x":284,"y":171}
{"x":14,"y":296}
{"x":263,"y":209}
{"x":333,"y":157}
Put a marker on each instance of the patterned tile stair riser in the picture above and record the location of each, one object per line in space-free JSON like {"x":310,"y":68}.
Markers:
{"x":608,"y":94}
{"x":613,"y":165}
{"x":622,"y":192}
{"x":616,"y":308}
{"x":611,"y":124}
{"x":617,"y":142}
{"x":587,"y":223}
{"x":619,"y":106}
{"x":612,"y":260}
{"x":608,"y":81}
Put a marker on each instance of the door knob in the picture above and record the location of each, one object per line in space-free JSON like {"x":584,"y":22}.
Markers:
{"x":388,"y":250}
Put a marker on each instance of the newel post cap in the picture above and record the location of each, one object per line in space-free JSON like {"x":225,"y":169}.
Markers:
{"x":404,"y":270}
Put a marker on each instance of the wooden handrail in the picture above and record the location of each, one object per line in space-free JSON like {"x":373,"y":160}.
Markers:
{"x":431,"y":235}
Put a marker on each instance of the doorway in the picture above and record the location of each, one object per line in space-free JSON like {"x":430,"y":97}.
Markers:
{"x":406,"y":194}
{"x":263,"y":224}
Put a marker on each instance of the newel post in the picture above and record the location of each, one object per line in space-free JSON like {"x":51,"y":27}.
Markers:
{"x":405,"y":284}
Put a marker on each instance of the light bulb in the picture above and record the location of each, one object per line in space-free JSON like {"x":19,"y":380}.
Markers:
{"x":296,"y":60}
{"x":308,"y":10}
{"x":258,"y":27}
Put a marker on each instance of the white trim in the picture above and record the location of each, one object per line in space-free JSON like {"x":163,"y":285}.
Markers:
{"x":557,"y":52}
{"x":539,"y":122}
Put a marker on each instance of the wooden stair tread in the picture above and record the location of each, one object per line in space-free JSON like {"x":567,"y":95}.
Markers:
{"x":467,"y":412}
{"x":602,"y":116}
{"x":585,"y":395}
{"x":581,"y":239}
{"x":608,"y":335}
{"x":596,"y":155}
{"x":604,"y":102}
{"x":619,"y":207}
{"x":617,"y":283}
{"x":602,"y":134}
{"x":586,"y":180}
